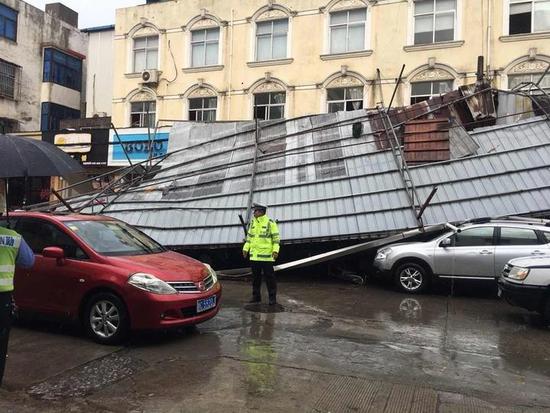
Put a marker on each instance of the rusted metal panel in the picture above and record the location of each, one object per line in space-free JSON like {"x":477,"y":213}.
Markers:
{"x":426,"y":141}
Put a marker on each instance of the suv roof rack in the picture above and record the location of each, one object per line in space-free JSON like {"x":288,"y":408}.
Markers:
{"x":511,"y":219}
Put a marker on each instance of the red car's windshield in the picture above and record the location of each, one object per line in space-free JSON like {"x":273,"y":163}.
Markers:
{"x":114,"y":238}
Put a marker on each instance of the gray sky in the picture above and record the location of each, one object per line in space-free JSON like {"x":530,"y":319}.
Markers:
{"x":91,"y":13}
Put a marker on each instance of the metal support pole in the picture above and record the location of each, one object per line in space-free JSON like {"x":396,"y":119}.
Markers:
{"x":426,"y":203}
{"x":253,"y":177}
{"x":58,"y":196}
{"x":396,"y":87}
{"x":121,"y":144}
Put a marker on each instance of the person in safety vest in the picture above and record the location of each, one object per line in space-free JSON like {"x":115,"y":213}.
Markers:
{"x":262,"y":246}
{"x":13,"y":251}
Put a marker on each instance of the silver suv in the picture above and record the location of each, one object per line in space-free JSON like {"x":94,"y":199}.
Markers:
{"x":471,"y":251}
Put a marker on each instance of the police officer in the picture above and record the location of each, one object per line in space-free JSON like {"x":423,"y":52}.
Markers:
{"x":13,"y":251}
{"x":262,"y":246}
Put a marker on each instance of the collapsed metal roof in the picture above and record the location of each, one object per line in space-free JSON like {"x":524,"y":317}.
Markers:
{"x":322,"y":181}
{"x":347,"y":191}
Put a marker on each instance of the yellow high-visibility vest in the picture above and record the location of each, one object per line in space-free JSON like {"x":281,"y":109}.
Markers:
{"x":262,"y":239}
{"x":9,"y":247}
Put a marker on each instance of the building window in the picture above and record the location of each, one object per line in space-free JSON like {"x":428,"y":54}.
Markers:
{"x":528,"y":16}
{"x":421,"y":91}
{"x":269,"y":105}
{"x":516,"y":80}
{"x":52,"y":114}
{"x":8,"y":22}
{"x":347,"y":30}
{"x":345,"y":99}
{"x":204,"y":47}
{"x":434,"y":21}
{"x":9,"y":82}
{"x":271,"y":39}
{"x":143,"y":114}
{"x":203,"y":109}
{"x":146,"y":53}
{"x":62,"y":69}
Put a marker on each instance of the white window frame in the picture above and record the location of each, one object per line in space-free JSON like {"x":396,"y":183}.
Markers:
{"x":143,"y":114}
{"x":202,"y":110}
{"x":256,"y":36}
{"x":345,"y":100}
{"x":146,"y":49}
{"x":506,"y":23}
{"x":534,"y":78}
{"x":452,"y":81}
{"x":269,"y":104}
{"x":347,"y":24}
{"x":205,"y":42}
{"x":434,"y":13}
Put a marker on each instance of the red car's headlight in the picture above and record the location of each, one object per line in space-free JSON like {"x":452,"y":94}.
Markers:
{"x":150,"y":283}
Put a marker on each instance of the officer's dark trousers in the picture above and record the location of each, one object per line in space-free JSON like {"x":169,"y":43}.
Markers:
{"x":264,"y":268}
{"x":5,"y":325}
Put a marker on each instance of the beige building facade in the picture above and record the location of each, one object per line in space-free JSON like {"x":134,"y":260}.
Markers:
{"x":240,"y":59}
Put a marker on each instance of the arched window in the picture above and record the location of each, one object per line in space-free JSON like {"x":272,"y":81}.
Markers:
{"x":426,"y":82}
{"x":205,"y":40}
{"x":347,"y":26}
{"x":269,"y":99}
{"x":144,"y":48}
{"x":202,"y":103}
{"x":526,"y":70}
{"x":142,"y":109}
{"x":344,"y":92}
{"x":272,"y":25}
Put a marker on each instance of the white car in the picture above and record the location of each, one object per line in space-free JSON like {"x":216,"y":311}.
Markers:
{"x":525,"y":282}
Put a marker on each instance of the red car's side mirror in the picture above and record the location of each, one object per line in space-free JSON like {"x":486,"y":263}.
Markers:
{"x":54,"y":252}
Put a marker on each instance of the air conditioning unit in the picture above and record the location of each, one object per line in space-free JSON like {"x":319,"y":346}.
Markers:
{"x":150,"y":76}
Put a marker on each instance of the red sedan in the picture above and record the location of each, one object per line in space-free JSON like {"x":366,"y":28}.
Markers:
{"x":109,"y":276}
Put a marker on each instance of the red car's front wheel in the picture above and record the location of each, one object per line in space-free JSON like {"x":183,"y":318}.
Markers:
{"x":106,"y":318}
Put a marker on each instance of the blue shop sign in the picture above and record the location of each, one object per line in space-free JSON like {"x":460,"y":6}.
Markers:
{"x":137,"y":145}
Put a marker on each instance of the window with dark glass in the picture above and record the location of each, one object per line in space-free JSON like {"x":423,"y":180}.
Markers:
{"x":271,"y":39}
{"x":518,"y":236}
{"x":52,"y":114}
{"x":344,"y":99}
{"x":143,"y":114}
{"x":269,"y":105}
{"x":62,"y":69}
{"x":8,"y":79}
{"x":474,"y":237}
{"x":434,"y":21}
{"x":529,"y":16}
{"x":421,"y":91}
{"x":8,"y":22}
{"x":347,"y":30}
{"x":203,"y":109}
{"x":40,"y":234}
{"x":204,"y":47}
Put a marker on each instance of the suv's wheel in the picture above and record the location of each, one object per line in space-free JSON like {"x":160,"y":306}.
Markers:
{"x":411,"y":278}
{"x":106,"y":318}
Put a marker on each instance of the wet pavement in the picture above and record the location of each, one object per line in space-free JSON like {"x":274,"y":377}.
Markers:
{"x":331,"y":346}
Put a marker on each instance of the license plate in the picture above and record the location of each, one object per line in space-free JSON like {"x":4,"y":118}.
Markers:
{"x":206,"y":304}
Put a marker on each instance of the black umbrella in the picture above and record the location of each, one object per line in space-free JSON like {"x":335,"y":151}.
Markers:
{"x":20,"y":157}
{"x":24,"y":157}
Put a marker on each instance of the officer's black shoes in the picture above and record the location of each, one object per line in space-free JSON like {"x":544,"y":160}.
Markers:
{"x":272,"y":302}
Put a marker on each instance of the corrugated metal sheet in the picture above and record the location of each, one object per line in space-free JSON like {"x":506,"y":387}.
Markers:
{"x":321,"y":183}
